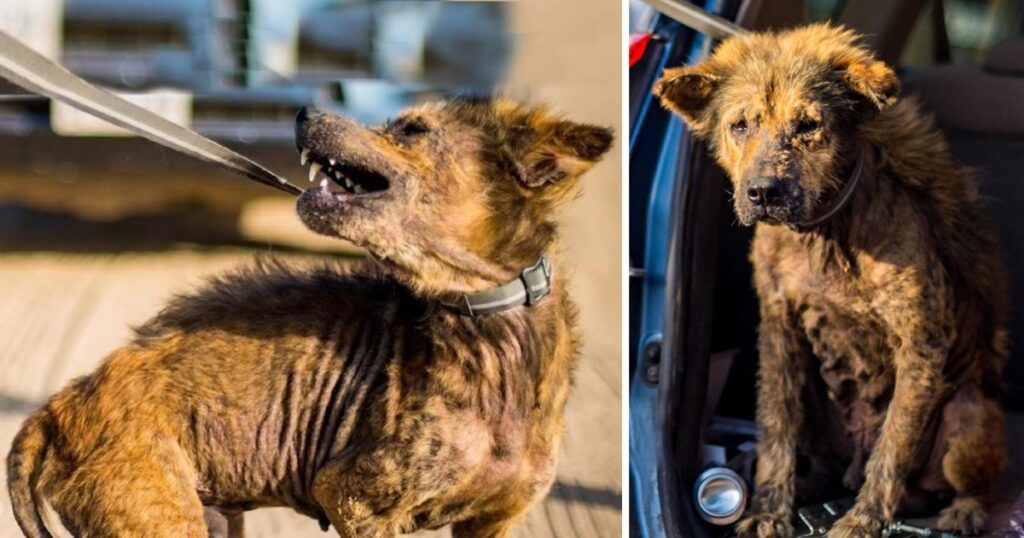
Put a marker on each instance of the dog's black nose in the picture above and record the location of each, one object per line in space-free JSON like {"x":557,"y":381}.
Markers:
{"x":765,"y":190}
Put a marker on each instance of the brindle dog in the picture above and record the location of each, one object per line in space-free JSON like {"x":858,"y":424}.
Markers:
{"x":360,"y":397}
{"x":879,"y":279}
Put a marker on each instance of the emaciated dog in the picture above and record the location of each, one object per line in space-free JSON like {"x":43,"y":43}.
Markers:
{"x":422,"y":389}
{"x":883,"y":324}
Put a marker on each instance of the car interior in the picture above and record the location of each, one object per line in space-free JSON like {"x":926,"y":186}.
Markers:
{"x":972,"y":80}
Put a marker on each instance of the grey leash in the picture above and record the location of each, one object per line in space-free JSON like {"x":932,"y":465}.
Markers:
{"x":697,"y":18}
{"x":34,"y":72}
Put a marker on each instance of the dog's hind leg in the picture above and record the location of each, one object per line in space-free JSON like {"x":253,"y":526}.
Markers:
{"x":122,"y":491}
{"x":975,"y":455}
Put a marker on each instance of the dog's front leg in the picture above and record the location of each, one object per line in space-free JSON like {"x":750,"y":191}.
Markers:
{"x":781,"y":377}
{"x":362,"y":494}
{"x":918,"y":363}
{"x":487,"y":526}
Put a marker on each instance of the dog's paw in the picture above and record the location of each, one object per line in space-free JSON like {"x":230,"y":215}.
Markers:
{"x":966,"y":516}
{"x":856,"y":526}
{"x":765,"y":525}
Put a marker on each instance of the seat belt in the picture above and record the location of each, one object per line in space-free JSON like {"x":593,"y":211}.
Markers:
{"x":36,"y":73}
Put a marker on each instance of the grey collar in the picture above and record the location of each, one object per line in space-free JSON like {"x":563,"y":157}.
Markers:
{"x":533,"y":284}
{"x":842,"y":198}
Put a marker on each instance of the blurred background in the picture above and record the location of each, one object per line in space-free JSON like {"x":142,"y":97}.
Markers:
{"x":233,"y":70}
{"x":98,"y":229}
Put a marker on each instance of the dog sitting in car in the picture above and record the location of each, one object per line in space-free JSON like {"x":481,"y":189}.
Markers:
{"x":881,"y":288}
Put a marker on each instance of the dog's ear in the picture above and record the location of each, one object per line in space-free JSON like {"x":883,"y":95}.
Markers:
{"x":870,"y":79}
{"x":559,"y":150}
{"x":687,"y":92}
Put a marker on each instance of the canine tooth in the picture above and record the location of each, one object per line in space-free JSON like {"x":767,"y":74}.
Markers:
{"x":304,"y":157}
{"x":313,"y":170}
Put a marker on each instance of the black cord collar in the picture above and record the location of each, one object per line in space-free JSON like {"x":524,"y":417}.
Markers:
{"x":841,"y":200}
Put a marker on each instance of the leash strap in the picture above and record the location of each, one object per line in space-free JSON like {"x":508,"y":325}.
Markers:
{"x":36,"y":73}
{"x":696,"y":17}
{"x":533,"y":284}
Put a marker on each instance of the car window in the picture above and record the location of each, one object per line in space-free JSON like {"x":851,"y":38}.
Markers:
{"x":972,"y":28}
{"x":821,"y":10}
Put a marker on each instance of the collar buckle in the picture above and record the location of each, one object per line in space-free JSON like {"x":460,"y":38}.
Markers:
{"x":537,"y":280}
{"x":531,"y":286}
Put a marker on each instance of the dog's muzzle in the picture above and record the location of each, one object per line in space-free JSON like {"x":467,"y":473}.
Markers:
{"x":771,"y":199}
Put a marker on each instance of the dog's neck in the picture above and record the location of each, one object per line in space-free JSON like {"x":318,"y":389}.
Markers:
{"x":836,"y":239}
{"x":530,"y":349}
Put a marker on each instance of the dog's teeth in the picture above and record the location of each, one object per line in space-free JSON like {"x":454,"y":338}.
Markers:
{"x":313,"y":170}
{"x":332,"y":161}
{"x":323,"y":184}
{"x":358,"y":189}
{"x":304,"y":157}
{"x":348,"y":183}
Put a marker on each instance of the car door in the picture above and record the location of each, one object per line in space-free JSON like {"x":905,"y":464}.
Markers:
{"x":672,"y":210}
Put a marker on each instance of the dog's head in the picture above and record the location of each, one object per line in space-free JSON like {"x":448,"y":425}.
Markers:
{"x":453,"y":196}
{"x":780,"y":113}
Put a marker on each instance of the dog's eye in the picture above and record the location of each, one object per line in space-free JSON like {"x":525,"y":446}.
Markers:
{"x":807,"y":126}
{"x":739,"y":127}
{"x":413,"y":128}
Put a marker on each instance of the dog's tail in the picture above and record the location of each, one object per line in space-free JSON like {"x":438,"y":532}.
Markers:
{"x":23,"y":466}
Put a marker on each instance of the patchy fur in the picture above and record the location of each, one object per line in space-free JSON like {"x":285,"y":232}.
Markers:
{"x":350,"y":396}
{"x":888,"y":318}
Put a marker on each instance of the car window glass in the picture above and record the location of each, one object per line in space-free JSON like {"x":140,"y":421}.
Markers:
{"x":821,"y":10}
{"x":972,"y":28}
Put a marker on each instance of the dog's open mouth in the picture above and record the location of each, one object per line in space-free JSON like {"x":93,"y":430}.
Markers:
{"x":350,"y":179}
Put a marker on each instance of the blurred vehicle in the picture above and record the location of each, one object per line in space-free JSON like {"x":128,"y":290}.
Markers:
{"x":693,"y":311}
{"x":233,"y":70}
